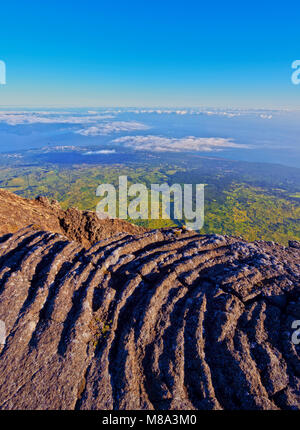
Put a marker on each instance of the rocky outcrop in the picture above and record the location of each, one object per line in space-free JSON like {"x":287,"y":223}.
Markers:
{"x":44,"y":214}
{"x":164,"y":319}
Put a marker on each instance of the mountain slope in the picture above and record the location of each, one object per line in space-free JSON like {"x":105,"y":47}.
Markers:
{"x":83,"y":226}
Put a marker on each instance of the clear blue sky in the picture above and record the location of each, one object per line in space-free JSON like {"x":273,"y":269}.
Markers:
{"x":149,"y":53}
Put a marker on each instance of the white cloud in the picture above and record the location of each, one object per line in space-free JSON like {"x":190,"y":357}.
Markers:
{"x":101,"y":151}
{"x":111,"y":127}
{"x":17,"y":118}
{"x":94,"y":117}
{"x":263,"y":116}
{"x":228,"y":113}
{"x":190,"y":143}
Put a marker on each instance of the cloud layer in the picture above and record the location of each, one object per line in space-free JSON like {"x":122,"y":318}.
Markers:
{"x":99,"y":118}
{"x":190,"y":143}
{"x":111,"y":127}
{"x":101,"y":151}
{"x":17,"y":118}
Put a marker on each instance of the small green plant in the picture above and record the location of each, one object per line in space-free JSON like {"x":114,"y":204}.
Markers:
{"x":100,"y":330}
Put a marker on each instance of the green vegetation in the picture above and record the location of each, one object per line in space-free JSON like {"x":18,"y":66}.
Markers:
{"x":240,"y":203}
{"x":255,"y":215}
{"x":99,"y":330}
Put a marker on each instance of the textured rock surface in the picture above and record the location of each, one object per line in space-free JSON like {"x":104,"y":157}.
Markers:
{"x":82,"y":226}
{"x":160,"y":320}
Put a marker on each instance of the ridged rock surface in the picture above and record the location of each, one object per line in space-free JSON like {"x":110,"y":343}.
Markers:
{"x":83,"y":226}
{"x":166,"y":319}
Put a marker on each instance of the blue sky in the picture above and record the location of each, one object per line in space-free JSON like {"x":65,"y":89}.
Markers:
{"x":149,"y":53}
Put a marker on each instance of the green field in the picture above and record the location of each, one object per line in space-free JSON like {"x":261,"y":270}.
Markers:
{"x":249,"y":207}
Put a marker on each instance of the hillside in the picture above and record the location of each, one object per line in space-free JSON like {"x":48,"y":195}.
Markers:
{"x":251,"y":200}
{"x":44,"y":214}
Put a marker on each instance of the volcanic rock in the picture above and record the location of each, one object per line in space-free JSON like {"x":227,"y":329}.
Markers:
{"x":163,"y":319}
{"x":44,"y":214}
